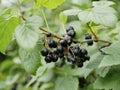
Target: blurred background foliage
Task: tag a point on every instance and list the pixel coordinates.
(49, 76)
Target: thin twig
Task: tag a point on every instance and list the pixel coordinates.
(42, 11)
(53, 34)
(92, 31)
(20, 10)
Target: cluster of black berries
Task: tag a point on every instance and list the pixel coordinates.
(65, 48)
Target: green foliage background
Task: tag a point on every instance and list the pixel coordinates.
(23, 68)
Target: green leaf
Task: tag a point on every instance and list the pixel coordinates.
(103, 3)
(102, 71)
(114, 55)
(63, 18)
(27, 36)
(35, 20)
(66, 83)
(30, 60)
(95, 61)
(104, 15)
(51, 4)
(72, 12)
(7, 26)
(110, 81)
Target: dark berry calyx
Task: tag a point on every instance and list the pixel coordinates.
(69, 28)
(44, 52)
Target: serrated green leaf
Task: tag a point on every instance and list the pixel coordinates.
(104, 15)
(51, 4)
(114, 55)
(66, 83)
(63, 18)
(95, 61)
(110, 81)
(103, 3)
(102, 71)
(27, 36)
(71, 12)
(35, 20)
(30, 60)
(7, 27)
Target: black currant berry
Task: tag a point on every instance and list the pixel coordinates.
(76, 51)
(80, 64)
(71, 59)
(48, 59)
(52, 43)
(44, 52)
(55, 58)
(63, 43)
(87, 58)
(69, 40)
(90, 43)
(61, 55)
(71, 33)
(83, 52)
(69, 28)
(48, 34)
(60, 49)
(88, 36)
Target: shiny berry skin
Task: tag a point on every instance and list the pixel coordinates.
(88, 36)
(63, 43)
(76, 52)
(90, 43)
(83, 52)
(69, 28)
(48, 34)
(55, 58)
(71, 59)
(52, 43)
(44, 52)
(69, 40)
(80, 64)
(48, 59)
(71, 33)
(60, 49)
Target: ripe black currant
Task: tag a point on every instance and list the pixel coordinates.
(76, 51)
(60, 49)
(69, 28)
(71, 59)
(69, 40)
(44, 52)
(83, 52)
(63, 43)
(48, 34)
(71, 33)
(88, 36)
(55, 58)
(80, 64)
(52, 43)
(87, 58)
(48, 59)
(90, 43)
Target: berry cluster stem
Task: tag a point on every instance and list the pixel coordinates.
(53, 34)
